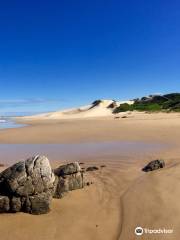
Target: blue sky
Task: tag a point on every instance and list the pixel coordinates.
(58, 54)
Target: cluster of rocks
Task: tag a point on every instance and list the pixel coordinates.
(30, 185)
(154, 165)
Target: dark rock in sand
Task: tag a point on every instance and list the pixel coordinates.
(67, 169)
(89, 183)
(93, 168)
(28, 185)
(103, 166)
(68, 177)
(154, 165)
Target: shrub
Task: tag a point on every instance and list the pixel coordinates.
(123, 108)
(168, 102)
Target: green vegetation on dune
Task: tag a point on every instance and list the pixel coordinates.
(156, 103)
(138, 107)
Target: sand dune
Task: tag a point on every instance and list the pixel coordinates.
(99, 108)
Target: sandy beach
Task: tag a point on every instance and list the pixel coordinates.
(161, 127)
(90, 120)
(122, 196)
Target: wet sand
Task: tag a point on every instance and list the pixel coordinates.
(122, 196)
(69, 152)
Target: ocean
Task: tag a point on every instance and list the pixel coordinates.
(8, 122)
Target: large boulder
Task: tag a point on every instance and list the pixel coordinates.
(28, 177)
(27, 185)
(154, 165)
(68, 177)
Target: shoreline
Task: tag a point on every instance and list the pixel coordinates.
(137, 127)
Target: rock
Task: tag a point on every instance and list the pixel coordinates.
(26, 183)
(29, 185)
(67, 169)
(93, 168)
(154, 165)
(4, 204)
(103, 166)
(68, 177)
(28, 177)
(89, 183)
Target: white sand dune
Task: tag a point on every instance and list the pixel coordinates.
(99, 108)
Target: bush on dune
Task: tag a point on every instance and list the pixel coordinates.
(168, 102)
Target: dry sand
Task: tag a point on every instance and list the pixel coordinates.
(122, 196)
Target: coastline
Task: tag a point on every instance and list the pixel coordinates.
(162, 127)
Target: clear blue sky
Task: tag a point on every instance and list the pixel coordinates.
(56, 54)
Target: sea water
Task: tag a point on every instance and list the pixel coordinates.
(7, 122)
